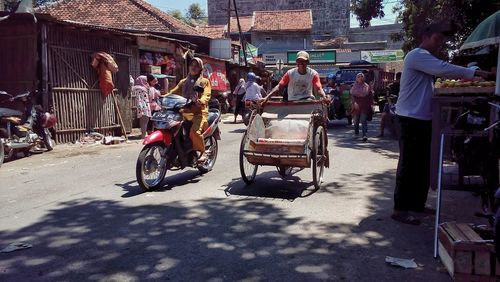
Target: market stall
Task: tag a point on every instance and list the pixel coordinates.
(465, 135)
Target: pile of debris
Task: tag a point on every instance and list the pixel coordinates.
(98, 138)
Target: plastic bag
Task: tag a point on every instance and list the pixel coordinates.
(287, 129)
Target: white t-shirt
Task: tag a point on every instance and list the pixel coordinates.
(300, 86)
(252, 91)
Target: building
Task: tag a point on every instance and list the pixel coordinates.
(278, 31)
(331, 18)
(131, 15)
(379, 33)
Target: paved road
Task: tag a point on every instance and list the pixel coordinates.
(81, 209)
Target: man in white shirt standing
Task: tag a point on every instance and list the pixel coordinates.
(301, 81)
(414, 115)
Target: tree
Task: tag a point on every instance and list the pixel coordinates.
(177, 14)
(195, 15)
(463, 15)
(195, 12)
(366, 10)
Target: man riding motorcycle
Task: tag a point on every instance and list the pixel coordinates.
(198, 113)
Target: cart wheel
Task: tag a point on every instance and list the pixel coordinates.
(318, 156)
(248, 170)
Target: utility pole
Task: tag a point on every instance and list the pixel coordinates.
(242, 40)
(228, 19)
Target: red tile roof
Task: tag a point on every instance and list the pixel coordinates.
(120, 14)
(287, 20)
(245, 23)
(212, 31)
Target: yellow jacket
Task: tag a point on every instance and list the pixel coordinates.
(205, 96)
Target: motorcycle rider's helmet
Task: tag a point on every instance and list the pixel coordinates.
(48, 120)
(251, 76)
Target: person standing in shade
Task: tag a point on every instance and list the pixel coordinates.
(362, 100)
(413, 110)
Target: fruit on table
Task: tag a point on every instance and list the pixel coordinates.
(447, 83)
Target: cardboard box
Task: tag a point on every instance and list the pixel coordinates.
(466, 255)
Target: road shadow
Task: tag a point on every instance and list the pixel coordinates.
(238, 131)
(172, 180)
(214, 240)
(270, 184)
(342, 135)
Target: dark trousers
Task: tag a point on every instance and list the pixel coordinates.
(238, 105)
(413, 175)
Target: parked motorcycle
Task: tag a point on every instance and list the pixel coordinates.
(337, 109)
(479, 155)
(170, 148)
(23, 135)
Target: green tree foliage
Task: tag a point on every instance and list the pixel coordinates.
(463, 15)
(195, 15)
(366, 10)
(195, 12)
(177, 14)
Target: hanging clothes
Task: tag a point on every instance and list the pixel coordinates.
(105, 66)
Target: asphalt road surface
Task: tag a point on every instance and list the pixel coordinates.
(87, 220)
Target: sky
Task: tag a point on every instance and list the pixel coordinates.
(182, 5)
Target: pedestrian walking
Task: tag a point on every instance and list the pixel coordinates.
(362, 99)
(413, 110)
(141, 90)
(154, 96)
(238, 93)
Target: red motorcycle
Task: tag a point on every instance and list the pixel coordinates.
(170, 148)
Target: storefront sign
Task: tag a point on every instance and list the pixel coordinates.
(315, 57)
(382, 56)
(272, 58)
(215, 71)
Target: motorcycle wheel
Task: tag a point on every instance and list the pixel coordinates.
(211, 147)
(48, 141)
(2, 152)
(151, 166)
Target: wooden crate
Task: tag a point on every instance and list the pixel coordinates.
(466, 256)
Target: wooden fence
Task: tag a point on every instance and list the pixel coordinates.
(76, 98)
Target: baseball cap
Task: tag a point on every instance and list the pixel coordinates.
(303, 55)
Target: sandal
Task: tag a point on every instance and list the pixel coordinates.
(406, 219)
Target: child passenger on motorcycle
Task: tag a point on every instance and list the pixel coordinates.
(253, 90)
(198, 113)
